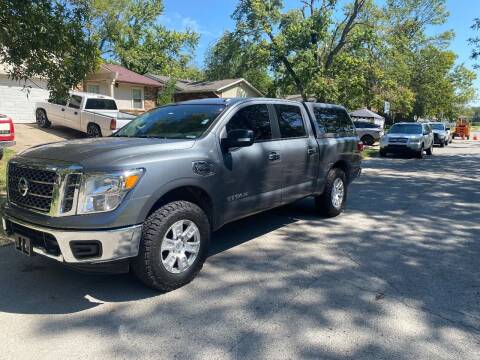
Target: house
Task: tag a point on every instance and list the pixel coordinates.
(369, 116)
(18, 98)
(133, 92)
(228, 88)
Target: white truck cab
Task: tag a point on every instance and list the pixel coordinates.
(94, 114)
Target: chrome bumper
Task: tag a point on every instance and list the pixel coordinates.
(116, 244)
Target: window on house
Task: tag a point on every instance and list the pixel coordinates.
(93, 88)
(137, 98)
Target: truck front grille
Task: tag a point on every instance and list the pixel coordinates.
(39, 185)
(398, 140)
(73, 182)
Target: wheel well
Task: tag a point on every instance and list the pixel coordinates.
(191, 194)
(342, 165)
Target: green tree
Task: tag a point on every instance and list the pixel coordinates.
(45, 38)
(233, 56)
(129, 32)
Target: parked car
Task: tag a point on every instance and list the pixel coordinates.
(368, 133)
(440, 134)
(151, 195)
(96, 115)
(416, 138)
(7, 133)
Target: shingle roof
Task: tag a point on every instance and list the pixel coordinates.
(203, 86)
(131, 77)
(365, 113)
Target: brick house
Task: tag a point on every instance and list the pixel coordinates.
(133, 92)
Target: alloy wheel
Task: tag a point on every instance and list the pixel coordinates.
(338, 193)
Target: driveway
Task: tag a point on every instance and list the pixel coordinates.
(397, 276)
(27, 135)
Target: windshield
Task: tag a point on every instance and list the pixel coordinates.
(438, 127)
(173, 122)
(406, 129)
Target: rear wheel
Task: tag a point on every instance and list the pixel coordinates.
(174, 246)
(93, 131)
(368, 140)
(41, 118)
(1, 153)
(332, 201)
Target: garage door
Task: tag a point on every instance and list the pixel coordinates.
(17, 102)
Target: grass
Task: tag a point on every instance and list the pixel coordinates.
(8, 153)
(369, 152)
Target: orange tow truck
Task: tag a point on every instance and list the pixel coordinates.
(462, 129)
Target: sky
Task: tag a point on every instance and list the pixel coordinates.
(210, 18)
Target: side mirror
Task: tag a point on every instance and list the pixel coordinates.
(240, 138)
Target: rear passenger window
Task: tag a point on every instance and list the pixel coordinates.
(290, 121)
(75, 102)
(253, 117)
(333, 122)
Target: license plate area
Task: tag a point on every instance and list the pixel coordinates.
(23, 244)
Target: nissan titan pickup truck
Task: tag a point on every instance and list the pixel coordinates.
(149, 197)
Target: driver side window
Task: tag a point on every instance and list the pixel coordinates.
(253, 117)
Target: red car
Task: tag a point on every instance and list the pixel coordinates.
(7, 133)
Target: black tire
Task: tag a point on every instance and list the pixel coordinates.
(324, 202)
(1, 153)
(42, 119)
(94, 131)
(368, 140)
(421, 153)
(382, 153)
(429, 151)
(148, 265)
(442, 144)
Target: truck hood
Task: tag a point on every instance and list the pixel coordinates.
(103, 152)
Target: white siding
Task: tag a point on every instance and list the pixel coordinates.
(19, 104)
(239, 90)
(123, 96)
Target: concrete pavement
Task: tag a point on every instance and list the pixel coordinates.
(397, 276)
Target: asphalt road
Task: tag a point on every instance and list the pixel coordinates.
(397, 276)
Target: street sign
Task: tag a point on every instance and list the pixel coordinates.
(386, 108)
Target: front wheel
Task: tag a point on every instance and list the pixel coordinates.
(332, 201)
(430, 150)
(174, 246)
(421, 153)
(42, 119)
(383, 153)
(368, 140)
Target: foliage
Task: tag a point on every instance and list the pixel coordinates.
(357, 53)
(475, 42)
(46, 38)
(129, 32)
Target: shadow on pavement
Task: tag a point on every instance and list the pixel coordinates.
(400, 267)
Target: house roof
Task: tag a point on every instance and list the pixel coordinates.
(187, 86)
(127, 76)
(365, 113)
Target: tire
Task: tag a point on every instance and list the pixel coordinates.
(1, 153)
(382, 153)
(325, 203)
(42, 119)
(151, 264)
(420, 154)
(93, 131)
(442, 144)
(368, 140)
(429, 151)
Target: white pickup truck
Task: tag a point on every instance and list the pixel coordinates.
(94, 114)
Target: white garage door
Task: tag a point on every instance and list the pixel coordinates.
(19, 104)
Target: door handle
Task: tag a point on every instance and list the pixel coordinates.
(273, 156)
(311, 151)
(63, 109)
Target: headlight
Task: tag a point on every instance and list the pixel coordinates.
(415, 140)
(101, 192)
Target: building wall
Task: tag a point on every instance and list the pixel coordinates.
(17, 101)
(239, 90)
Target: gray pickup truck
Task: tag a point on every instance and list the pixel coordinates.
(149, 197)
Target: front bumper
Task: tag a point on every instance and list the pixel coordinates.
(4, 144)
(401, 148)
(62, 245)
